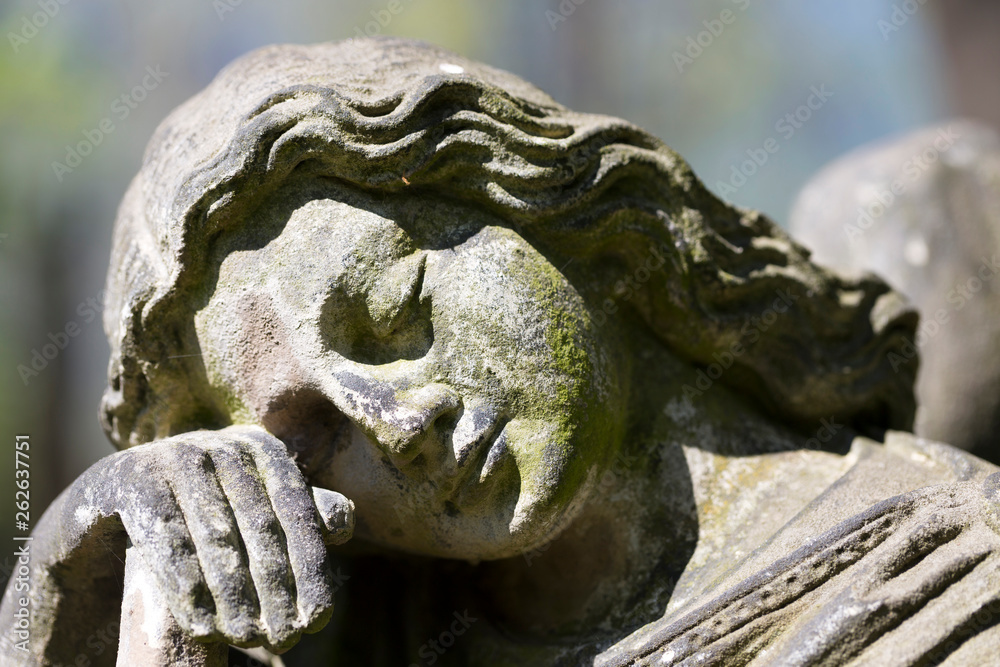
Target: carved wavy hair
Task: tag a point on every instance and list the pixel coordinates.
(386, 115)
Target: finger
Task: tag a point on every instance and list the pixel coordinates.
(293, 504)
(155, 524)
(337, 514)
(217, 538)
(263, 538)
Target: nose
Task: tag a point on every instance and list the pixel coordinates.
(420, 423)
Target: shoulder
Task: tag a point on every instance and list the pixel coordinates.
(896, 562)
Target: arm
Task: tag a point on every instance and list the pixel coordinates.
(232, 534)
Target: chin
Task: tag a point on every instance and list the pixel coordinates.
(450, 532)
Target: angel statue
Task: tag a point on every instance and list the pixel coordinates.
(412, 365)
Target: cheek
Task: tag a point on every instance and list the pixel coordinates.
(552, 463)
(249, 357)
(533, 354)
(571, 439)
(357, 469)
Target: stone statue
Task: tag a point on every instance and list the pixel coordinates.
(574, 409)
(923, 210)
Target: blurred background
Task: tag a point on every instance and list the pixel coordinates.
(713, 78)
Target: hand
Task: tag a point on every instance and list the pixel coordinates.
(234, 537)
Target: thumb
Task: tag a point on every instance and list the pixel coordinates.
(337, 513)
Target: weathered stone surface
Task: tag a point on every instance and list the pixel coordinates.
(149, 635)
(924, 212)
(583, 411)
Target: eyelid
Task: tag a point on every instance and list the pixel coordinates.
(390, 297)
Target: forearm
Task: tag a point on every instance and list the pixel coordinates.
(182, 501)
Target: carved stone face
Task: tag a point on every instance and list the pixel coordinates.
(420, 358)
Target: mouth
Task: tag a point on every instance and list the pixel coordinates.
(480, 466)
(483, 442)
(476, 463)
(314, 430)
(495, 454)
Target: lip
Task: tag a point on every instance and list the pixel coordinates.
(480, 463)
(495, 453)
(484, 441)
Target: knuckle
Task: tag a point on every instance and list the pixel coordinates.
(189, 593)
(195, 623)
(299, 507)
(243, 631)
(256, 438)
(227, 559)
(281, 639)
(275, 574)
(190, 455)
(316, 613)
(261, 522)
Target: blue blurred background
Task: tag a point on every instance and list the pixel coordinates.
(713, 78)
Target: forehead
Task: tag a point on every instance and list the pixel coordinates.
(323, 218)
(341, 234)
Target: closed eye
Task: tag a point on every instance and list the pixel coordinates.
(390, 321)
(395, 294)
